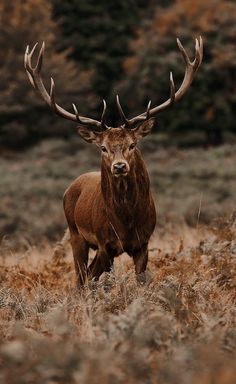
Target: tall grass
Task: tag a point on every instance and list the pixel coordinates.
(178, 328)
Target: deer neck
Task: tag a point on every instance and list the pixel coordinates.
(126, 196)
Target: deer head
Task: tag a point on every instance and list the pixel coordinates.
(117, 145)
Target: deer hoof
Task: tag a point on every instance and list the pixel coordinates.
(141, 278)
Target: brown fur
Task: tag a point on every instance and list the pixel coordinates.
(108, 213)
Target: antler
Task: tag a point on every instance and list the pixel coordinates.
(190, 70)
(35, 78)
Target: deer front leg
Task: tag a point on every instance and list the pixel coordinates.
(102, 262)
(80, 250)
(140, 258)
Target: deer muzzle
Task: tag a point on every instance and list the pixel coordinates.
(120, 168)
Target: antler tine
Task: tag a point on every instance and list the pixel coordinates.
(183, 52)
(28, 56)
(37, 82)
(76, 112)
(198, 53)
(38, 66)
(191, 68)
(172, 89)
(148, 109)
(52, 95)
(27, 63)
(121, 112)
(104, 126)
(201, 46)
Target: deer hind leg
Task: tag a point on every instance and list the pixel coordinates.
(80, 250)
(140, 258)
(102, 262)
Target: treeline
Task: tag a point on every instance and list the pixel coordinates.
(96, 49)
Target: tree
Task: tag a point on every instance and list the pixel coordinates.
(211, 98)
(99, 32)
(21, 23)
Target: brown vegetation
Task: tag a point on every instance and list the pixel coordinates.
(178, 328)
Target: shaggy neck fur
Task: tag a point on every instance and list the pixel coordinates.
(126, 196)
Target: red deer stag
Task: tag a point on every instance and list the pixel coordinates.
(112, 211)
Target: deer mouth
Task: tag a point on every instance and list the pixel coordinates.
(120, 174)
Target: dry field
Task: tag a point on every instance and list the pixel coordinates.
(180, 327)
(183, 182)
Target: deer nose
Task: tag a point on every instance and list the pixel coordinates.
(120, 167)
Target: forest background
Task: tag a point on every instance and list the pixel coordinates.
(95, 49)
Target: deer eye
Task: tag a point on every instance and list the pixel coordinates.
(103, 149)
(132, 146)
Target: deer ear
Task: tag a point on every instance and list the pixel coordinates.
(87, 134)
(144, 128)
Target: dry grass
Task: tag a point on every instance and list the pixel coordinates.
(178, 328)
